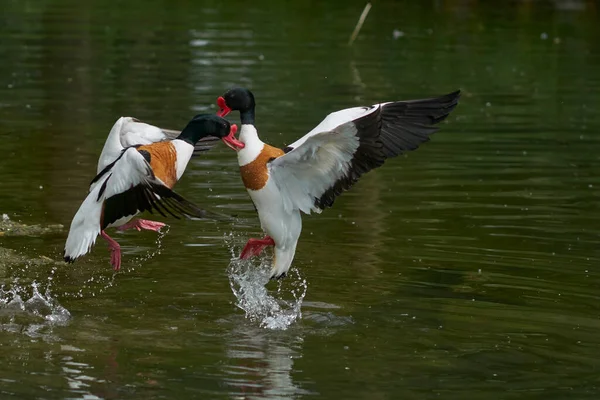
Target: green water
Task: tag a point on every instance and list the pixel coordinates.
(468, 269)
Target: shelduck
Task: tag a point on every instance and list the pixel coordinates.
(140, 178)
(310, 173)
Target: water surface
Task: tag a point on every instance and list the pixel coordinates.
(467, 269)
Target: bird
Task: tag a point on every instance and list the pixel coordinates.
(141, 178)
(130, 131)
(310, 173)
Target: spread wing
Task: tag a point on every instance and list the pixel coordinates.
(128, 186)
(404, 124)
(311, 175)
(348, 143)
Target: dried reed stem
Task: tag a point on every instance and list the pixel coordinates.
(359, 24)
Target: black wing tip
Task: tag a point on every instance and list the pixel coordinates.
(451, 99)
(69, 259)
(177, 203)
(434, 109)
(201, 149)
(445, 103)
(194, 211)
(453, 95)
(205, 144)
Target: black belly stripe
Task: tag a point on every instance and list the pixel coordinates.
(103, 188)
(146, 155)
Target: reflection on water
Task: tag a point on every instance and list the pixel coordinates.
(79, 376)
(261, 366)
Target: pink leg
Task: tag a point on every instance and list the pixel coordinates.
(140, 224)
(115, 251)
(255, 246)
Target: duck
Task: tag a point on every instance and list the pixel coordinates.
(309, 174)
(130, 131)
(141, 178)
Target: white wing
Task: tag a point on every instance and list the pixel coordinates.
(124, 133)
(326, 162)
(334, 120)
(129, 170)
(135, 132)
(128, 131)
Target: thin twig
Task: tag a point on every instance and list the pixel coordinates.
(359, 24)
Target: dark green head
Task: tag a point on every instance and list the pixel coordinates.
(238, 99)
(203, 125)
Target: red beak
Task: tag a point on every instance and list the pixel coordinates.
(231, 141)
(223, 109)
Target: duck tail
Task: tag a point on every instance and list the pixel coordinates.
(85, 227)
(282, 260)
(285, 247)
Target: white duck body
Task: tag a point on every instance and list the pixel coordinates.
(284, 226)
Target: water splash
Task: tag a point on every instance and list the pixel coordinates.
(248, 280)
(33, 316)
(154, 252)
